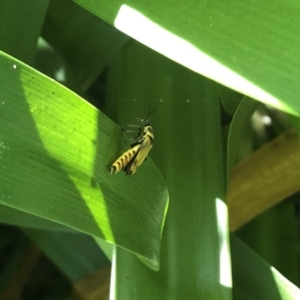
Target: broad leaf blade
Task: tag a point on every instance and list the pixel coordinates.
(55, 153)
(87, 43)
(250, 46)
(187, 148)
(21, 23)
(76, 255)
(253, 278)
(238, 126)
(16, 217)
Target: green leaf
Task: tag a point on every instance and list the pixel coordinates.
(15, 217)
(187, 148)
(77, 255)
(87, 43)
(237, 128)
(296, 124)
(249, 46)
(55, 151)
(230, 99)
(253, 278)
(266, 238)
(21, 23)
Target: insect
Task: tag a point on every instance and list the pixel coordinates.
(130, 160)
